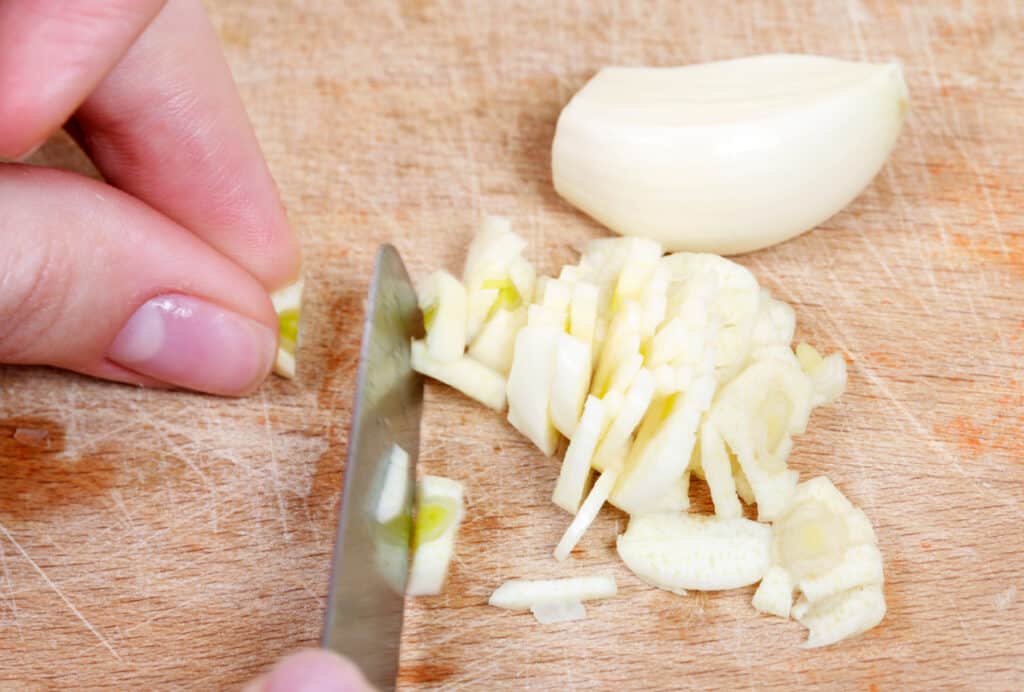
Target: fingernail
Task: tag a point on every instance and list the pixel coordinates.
(197, 345)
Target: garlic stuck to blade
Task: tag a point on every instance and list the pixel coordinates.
(442, 300)
(439, 511)
(728, 156)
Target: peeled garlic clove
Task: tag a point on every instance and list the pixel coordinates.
(729, 156)
(288, 306)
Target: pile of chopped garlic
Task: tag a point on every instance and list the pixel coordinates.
(658, 368)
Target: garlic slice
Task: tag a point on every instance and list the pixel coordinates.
(588, 512)
(675, 551)
(728, 156)
(439, 511)
(442, 300)
(572, 479)
(473, 379)
(288, 306)
(825, 548)
(551, 613)
(523, 594)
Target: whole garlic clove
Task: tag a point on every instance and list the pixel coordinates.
(726, 157)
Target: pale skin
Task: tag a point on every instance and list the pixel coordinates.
(161, 275)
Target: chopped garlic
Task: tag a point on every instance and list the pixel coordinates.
(492, 255)
(587, 513)
(529, 386)
(583, 311)
(570, 382)
(668, 437)
(465, 374)
(613, 448)
(827, 549)
(774, 594)
(439, 511)
(393, 486)
(553, 612)
(685, 551)
(828, 375)
(714, 460)
(524, 594)
(572, 480)
(288, 306)
(843, 616)
(494, 345)
(442, 300)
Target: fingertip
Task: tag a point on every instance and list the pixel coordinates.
(312, 670)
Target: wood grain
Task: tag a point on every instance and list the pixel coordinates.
(167, 540)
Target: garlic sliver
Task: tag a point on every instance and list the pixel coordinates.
(729, 156)
(470, 377)
(588, 512)
(523, 594)
(572, 480)
(774, 594)
(570, 382)
(529, 385)
(714, 459)
(494, 343)
(554, 612)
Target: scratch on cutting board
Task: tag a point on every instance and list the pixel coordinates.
(10, 589)
(56, 590)
(274, 472)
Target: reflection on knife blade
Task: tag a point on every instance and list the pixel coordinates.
(371, 556)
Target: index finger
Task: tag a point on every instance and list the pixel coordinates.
(167, 125)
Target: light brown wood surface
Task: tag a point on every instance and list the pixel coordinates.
(155, 540)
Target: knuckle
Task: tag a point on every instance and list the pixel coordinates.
(34, 286)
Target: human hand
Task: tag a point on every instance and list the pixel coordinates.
(312, 670)
(160, 277)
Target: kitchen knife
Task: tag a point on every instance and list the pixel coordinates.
(371, 552)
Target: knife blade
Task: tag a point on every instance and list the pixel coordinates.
(365, 604)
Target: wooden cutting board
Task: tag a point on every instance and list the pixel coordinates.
(156, 540)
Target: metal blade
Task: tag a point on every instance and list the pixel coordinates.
(371, 559)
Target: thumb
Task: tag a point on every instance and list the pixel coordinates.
(312, 670)
(94, 281)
